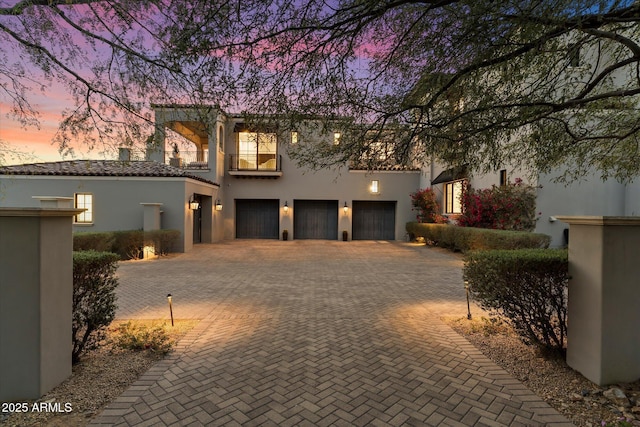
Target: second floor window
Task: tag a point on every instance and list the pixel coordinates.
(257, 151)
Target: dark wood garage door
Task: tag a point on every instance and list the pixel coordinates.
(257, 219)
(315, 219)
(374, 220)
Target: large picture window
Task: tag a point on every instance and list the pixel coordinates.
(257, 151)
(84, 201)
(453, 193)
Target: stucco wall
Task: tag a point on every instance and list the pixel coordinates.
(117, 200)
(589, 197)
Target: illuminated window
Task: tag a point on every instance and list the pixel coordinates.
(257, 151)
(336, 138)
(294, 137)
(453, 193)
(84, 201)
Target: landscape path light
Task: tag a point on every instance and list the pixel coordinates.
(466, 288)
(170, 299)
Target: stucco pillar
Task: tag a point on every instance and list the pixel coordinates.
(151, 222)
(604, 298)
(54, 201)
(36, 291)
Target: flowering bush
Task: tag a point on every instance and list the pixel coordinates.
(507, 207)
(424, 201)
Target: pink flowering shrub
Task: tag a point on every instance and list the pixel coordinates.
(424, 201)
(507, 207)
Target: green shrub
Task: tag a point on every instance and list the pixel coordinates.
(165, 241)
(131, 336)
(96, 241)
(528, 287)
(94, 298)
(465, 239)
(128, 244)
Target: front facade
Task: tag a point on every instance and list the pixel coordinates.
(213, 178)
(264, 194)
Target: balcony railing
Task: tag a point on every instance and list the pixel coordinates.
(188, 159)
(255, 163)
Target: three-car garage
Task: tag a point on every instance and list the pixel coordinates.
(316, 219)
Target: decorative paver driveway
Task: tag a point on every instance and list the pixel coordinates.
(315, 333)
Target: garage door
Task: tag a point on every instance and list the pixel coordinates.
(374, 220)
(257, 219)
(315, 219)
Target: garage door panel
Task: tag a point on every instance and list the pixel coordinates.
(374, 220)
(257, 219)
(315, 219)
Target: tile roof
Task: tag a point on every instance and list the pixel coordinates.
(101, 168)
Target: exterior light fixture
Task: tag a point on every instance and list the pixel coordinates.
(345, 208)
(218, 205)
(375, 186)
(466, 288)
(170, 299)
(194, 205)
(336, 138)
(286, 207)
(294, 137)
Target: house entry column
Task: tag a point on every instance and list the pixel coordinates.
(604, 293)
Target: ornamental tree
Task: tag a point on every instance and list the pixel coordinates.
(476, 82)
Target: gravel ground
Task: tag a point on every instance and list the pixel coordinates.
(549, 377)
(101, 376)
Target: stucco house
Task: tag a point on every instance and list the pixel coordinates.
(214, 177)
(588, 196)
(115, 193)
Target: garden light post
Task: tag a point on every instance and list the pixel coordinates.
(169, 297)
(466, 288)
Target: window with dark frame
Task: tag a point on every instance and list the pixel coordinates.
(453, 194)
(574, 55)
(503, 177)
(84, 201)
(257, 151)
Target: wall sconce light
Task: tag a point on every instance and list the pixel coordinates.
(194, 205)
(286, 207)
(345, 208)
(218, 205)
(375, 186)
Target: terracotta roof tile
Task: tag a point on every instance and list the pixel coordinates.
(101, 168)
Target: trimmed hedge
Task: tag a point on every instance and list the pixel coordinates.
(528, 287)
(127, 244)
(463, 239)
(94, 298)
(86, 241)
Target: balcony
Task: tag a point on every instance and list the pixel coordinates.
(188, 159)
(261, 165)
